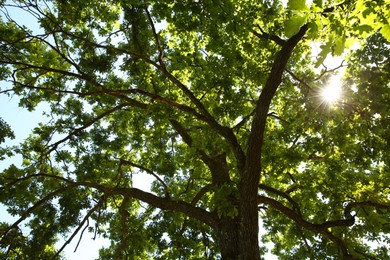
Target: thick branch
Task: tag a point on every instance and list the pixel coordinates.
(216, 164)
(264, 101)
(317, 228)
(161, 203)
(153, 200)
(263, 35)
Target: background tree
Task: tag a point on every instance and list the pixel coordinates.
(219, 102)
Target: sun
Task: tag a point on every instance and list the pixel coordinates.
(331, 93)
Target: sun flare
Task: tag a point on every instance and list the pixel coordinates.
(332, 91)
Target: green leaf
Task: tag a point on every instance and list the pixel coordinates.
(325, 50)
(294, 24)
(367, 12)
(339, 46)
(5, 131)
(364, 28)
(297, 5)
(385, 31)
(314, 28)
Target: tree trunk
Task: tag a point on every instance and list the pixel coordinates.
(227, 235)
(248, 216)
(238, 237)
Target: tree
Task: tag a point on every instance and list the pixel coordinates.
(219, 102)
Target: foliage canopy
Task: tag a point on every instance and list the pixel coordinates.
(219, 102)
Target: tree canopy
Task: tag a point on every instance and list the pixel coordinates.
(220, 103)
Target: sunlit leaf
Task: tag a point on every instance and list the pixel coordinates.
(385, 31)
(298, 5)
(294, 24)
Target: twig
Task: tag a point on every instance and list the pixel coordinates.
(298, 79)
(267, 36)
(328, 71)
(35, 206)
(88, 124)
(126, 162)
(160, 50)
(86, 218)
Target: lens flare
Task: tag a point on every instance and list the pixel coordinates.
(332, 91)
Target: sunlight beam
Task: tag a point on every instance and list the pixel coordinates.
(332, 91)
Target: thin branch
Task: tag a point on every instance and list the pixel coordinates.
(216, 164)
(188, 140)
(201, 193)
(308, 248)
(274, 115)
(126, 162)
(171, 103)
(330, 9)
(114, 49)
(351, 205)
(282, 194)
(298, 79)
(35, 206)
(317, 228)
(244, 120)
(62, 72)
(156, 38)
(329, 71)
(120, 93)
(14, 181)
(263, 35)
(90, 212)
(85, 126)
(81, 236)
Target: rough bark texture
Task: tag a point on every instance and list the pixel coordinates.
(249, 227)
(228, 238)
(250, 176)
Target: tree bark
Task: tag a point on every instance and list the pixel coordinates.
(248, 215)
(227, 238)
(250, 176)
